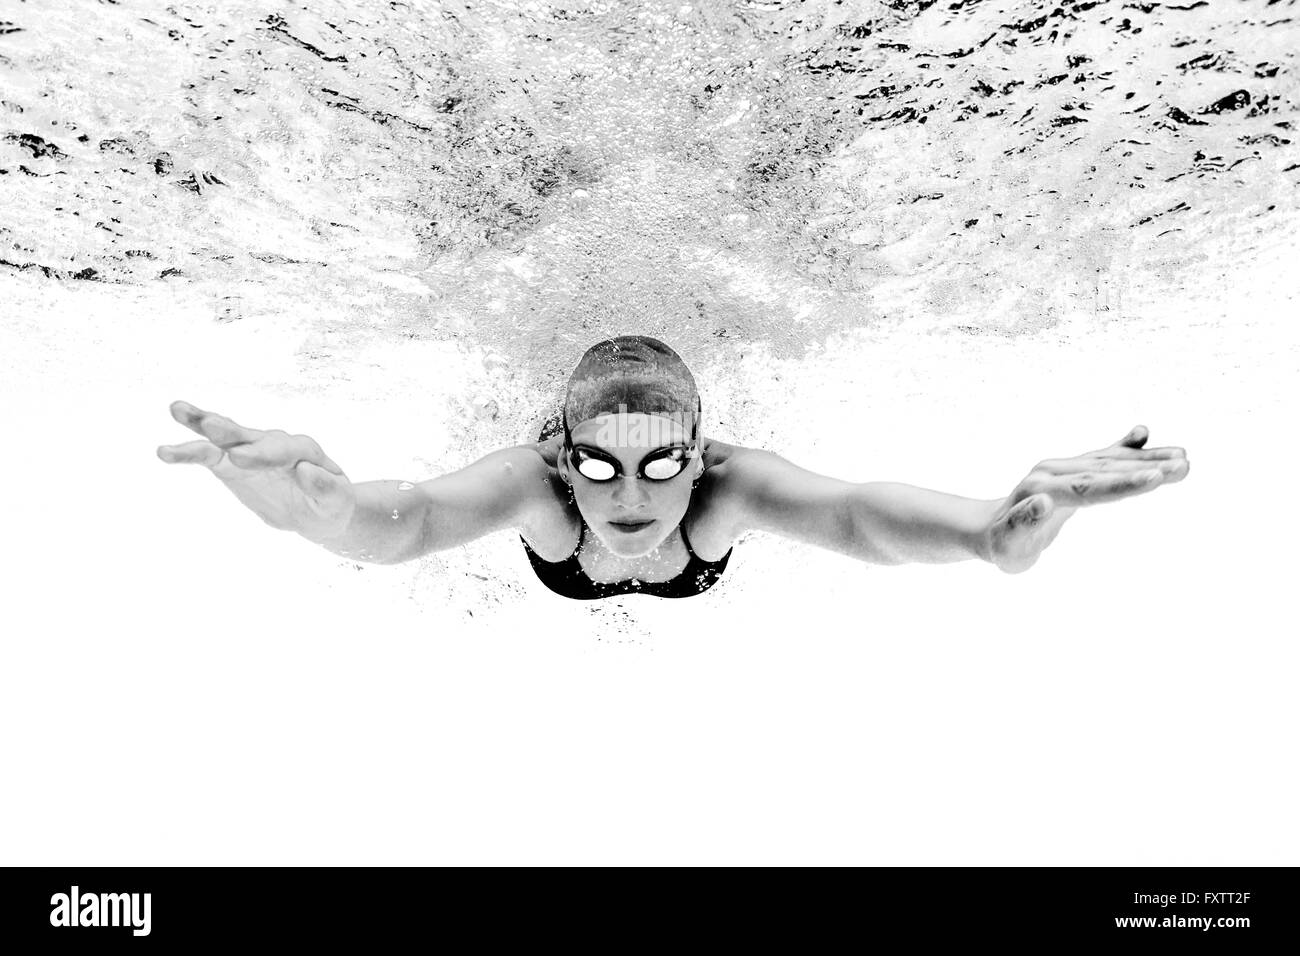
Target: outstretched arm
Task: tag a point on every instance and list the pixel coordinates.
(292, 485)
(881, 522)
(396, 521)
(894, 523)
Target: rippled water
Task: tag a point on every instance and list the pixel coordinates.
(530, 175)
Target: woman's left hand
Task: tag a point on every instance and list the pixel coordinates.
(1032, 515)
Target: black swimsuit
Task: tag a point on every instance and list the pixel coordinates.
(568, 578)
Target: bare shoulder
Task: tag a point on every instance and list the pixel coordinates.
(548, 450)
(544, 513)
(719, 452)
(528, 473)
(723, 506)
(734, 472)
(756, 489)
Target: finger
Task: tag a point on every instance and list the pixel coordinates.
(272, 450)
(307, 449)
(1138, 461)
(1173, 468)
(1092, 488)
(216, 428)
(191, 453)
(276, 449)
(1136, 438)
(1142, 454)
(318, 457)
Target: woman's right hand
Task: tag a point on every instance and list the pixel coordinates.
(286, 480)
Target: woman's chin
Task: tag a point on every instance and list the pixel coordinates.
(632, 543)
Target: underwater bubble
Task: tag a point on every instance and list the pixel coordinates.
(485, 409)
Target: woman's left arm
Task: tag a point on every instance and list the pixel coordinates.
(894, 523)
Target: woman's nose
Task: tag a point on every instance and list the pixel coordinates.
(628, 491)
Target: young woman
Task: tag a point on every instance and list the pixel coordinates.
(623, 494)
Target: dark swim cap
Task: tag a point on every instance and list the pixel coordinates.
(636, 372)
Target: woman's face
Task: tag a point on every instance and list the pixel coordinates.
(632, 516)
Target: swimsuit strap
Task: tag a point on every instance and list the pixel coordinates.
(582, 534)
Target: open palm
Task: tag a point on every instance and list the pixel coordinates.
(1032, 515)
(287, 480)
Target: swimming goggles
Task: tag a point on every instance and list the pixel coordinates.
(661, 464)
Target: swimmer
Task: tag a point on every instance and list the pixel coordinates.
(622, 493)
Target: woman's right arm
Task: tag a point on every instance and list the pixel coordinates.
(290, 483)
(511, 488)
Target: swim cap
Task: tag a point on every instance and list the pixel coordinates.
(632, 373)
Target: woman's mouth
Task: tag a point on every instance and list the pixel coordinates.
(629, 527)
